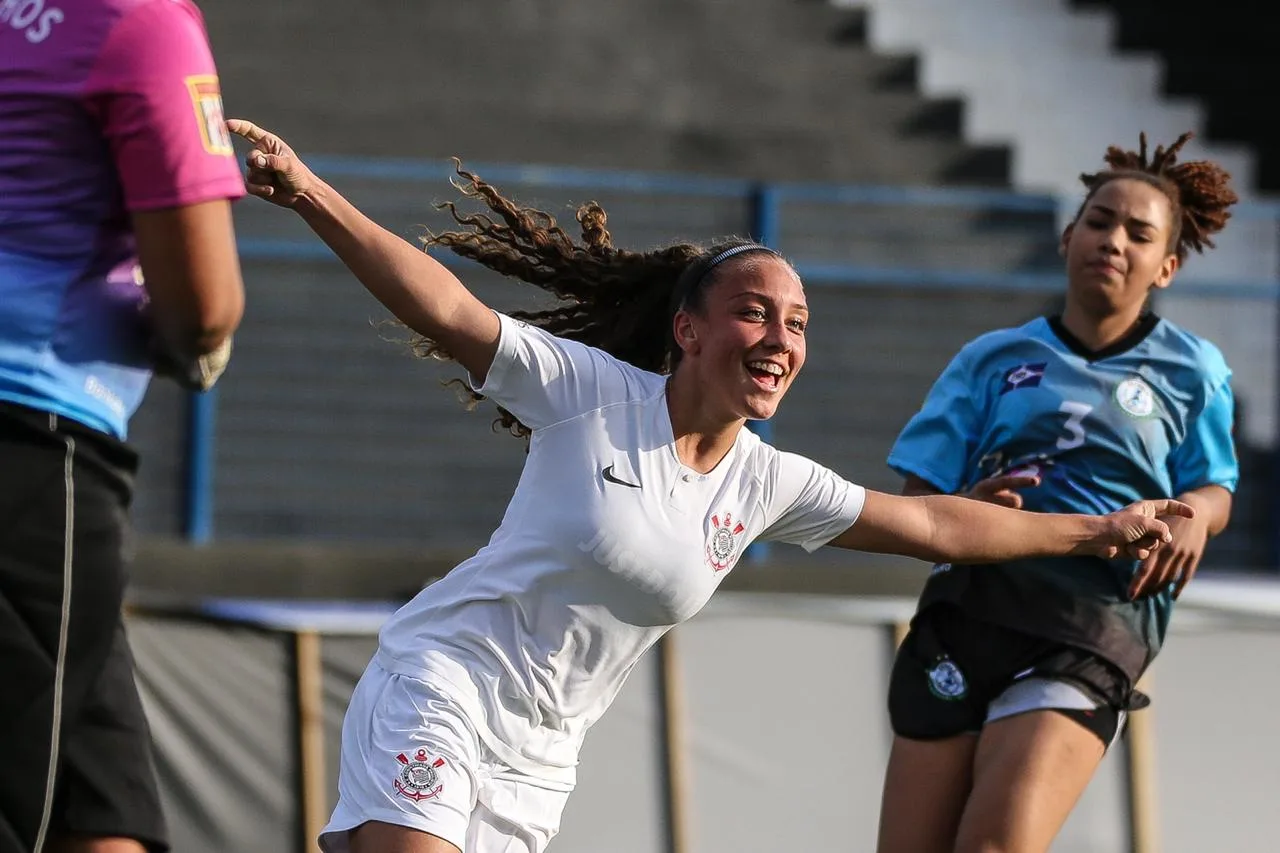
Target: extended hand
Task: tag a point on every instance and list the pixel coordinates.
(1140, 529)
(1177, 562)
(1002, 490)
(275, 172)
(195, 374)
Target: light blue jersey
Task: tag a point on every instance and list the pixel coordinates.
(1151, 421)
(1148, 418)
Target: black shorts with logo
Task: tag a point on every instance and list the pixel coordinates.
(951, 667)
(64, 500)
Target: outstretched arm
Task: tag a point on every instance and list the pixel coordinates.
(413, 286)
(946, 528)
(1176, 563)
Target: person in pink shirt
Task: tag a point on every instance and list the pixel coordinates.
(117, 261)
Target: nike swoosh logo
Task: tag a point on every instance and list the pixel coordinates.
(609, 476)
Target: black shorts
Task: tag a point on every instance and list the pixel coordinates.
(953, 672)
(63, 656)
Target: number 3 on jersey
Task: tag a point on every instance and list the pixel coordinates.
(1074, 426)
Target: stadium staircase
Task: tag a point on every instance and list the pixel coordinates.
(1054, 84)
(748, 88)
(1218, 55)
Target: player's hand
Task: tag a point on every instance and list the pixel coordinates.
(1003, 489)
(195, 374)
(275, 172)
(1138, 531)
(1175, 563)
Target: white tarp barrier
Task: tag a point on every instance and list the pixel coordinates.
(761, 726)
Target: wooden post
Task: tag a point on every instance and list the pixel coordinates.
(311, 766)
(1144, 812)
(676, 764)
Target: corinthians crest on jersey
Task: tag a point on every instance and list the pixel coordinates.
(419, 778)
(723, 541)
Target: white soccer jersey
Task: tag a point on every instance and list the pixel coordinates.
(607, 543)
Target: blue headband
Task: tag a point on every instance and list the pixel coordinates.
(736, 250)
(682, 296)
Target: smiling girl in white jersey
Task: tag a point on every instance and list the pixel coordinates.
(640, 492)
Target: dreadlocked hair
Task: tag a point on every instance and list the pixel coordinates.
(616, 300)
(1198, 191)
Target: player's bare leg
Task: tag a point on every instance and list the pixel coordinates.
(378, 837)
(1028, 774)
(925, 789)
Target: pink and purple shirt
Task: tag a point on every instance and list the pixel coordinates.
(107, 107)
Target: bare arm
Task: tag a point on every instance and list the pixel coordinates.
(413, 286)
(1178, 563)
(192, 276)
(1212, 504)
(945, 528)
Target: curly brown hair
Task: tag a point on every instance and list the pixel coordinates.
(617, 300)
(1198, 191)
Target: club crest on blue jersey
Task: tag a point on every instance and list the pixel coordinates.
(1023, 376)
(1136, 397)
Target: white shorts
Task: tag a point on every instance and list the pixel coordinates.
(411, 758)
(1051, 694)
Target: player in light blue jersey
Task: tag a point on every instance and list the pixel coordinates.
(1016, 677)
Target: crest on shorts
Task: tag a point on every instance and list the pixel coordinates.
(419, 778)
(1136, 397)
(946, 681)
(722, 543)
(206, 98)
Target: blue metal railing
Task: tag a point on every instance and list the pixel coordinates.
(201, 424)
(765, 203)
